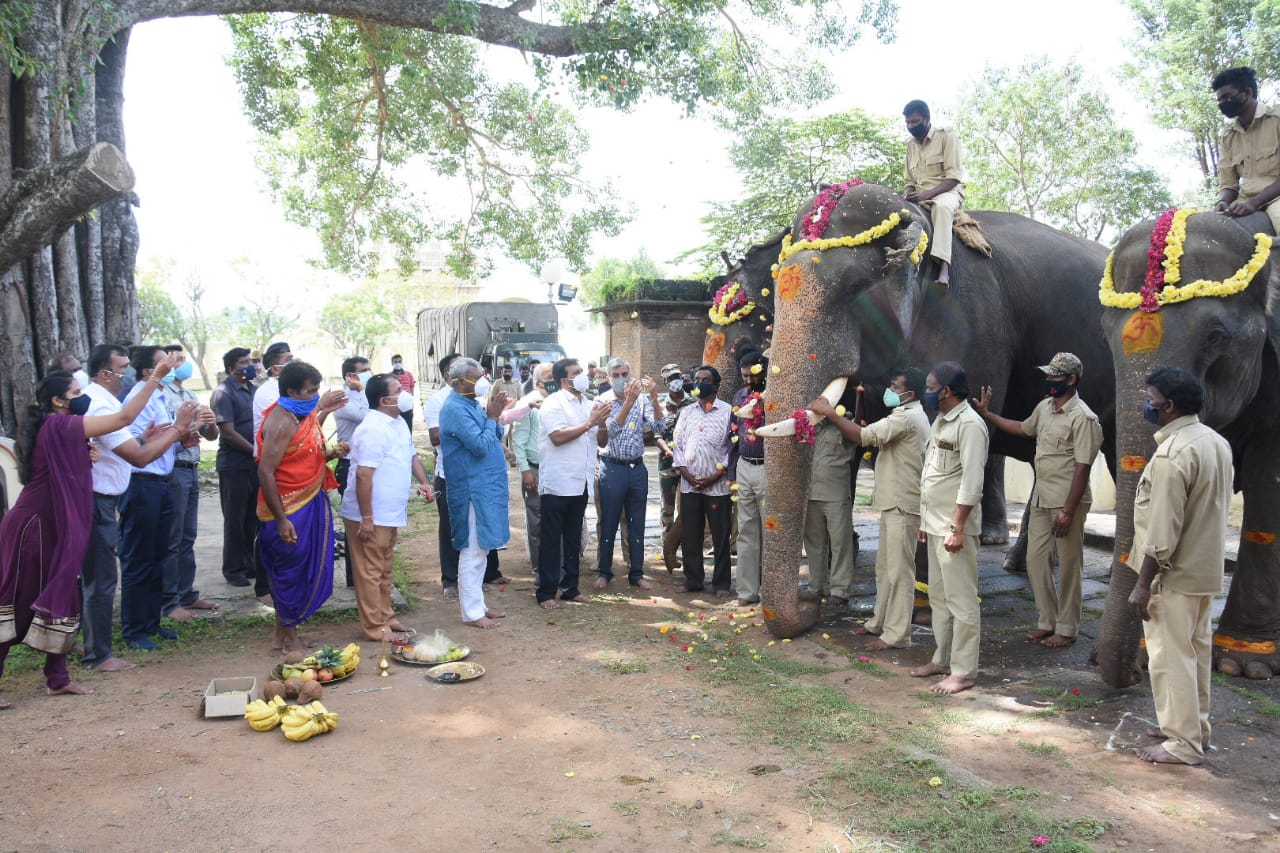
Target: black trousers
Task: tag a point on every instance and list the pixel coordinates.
(560, 529)
(238, 494)
(449, 554)
(696, 512)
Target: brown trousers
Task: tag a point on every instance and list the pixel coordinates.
(373, 561)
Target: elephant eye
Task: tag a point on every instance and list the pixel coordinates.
(1217, 338)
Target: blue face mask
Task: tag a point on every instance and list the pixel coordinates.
(250, 372)
(79, 404)
(704, 391)
(181, 373)
(931, 400)
(1151, 412)
(891, 398)
(300, 408)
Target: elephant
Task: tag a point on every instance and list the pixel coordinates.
(850, 313)
(725, 342)
(1232, 345)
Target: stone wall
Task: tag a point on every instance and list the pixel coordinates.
(650, 334)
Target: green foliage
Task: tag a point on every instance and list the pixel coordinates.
(1041, 140)
(1181, 45)
(14, 16)
(353, 114)
(783, 163)
(614, 279)
(357, 321)
(159, 318)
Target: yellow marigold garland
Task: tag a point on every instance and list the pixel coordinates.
(1169, 295)
(870, 235)
(717, 314)
(1173, 247)
(917, 254)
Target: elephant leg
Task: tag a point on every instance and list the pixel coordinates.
(1015, 559)
(1120, 632)
(922, 613)
(995, 521)
(1249, 630)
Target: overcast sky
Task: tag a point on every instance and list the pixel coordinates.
(205, 205)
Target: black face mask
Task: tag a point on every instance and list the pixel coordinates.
(1233, 107)
(920, 131)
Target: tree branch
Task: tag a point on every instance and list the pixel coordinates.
(44, 201)
(496, 25)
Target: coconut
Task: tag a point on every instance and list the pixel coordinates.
(312, 691)
(292, 686)
(273, 689)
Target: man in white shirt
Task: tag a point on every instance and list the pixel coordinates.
(275, 358)
(355, 377)
(375, 507)
(117, 452)
(567, 456)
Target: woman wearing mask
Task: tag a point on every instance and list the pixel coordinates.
(45, 534)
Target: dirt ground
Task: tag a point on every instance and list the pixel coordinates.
(595, 730)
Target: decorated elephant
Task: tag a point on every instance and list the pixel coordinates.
(1200, 293)
(741, 312)
(851, 303)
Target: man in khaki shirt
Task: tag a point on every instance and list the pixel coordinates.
(1068, 437)
(934, 179)
(901, 437)
(828, 520)
(1180, 523)
(950, 523)
(1249, 162)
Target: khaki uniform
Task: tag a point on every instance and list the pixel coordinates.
(1180, 519)
(901, 438)
(1065, 438)
(1250, 159)
(828, 523)
(953, 463)
(930, 161)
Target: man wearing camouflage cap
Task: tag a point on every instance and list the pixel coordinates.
(1068, 436)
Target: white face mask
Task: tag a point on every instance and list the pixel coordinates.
(581, 382)
(619, 386)
(364, 376)
(405, 401)
(676, 385)
(482, 387)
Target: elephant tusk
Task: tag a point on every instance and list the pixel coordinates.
(783, 427)
(745, 410)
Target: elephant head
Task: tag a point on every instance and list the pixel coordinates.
(837, 314)
(1229, 342)
(733, 328)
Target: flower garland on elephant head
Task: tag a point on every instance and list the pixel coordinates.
(1164, 269)
(730, 305)
(815, 223)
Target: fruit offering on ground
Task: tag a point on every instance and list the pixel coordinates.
(310, 692)
(265, 715)
(303, 722)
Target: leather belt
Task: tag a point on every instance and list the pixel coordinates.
(751, 460)
(181, 464)
(630, 463)
(153, 478)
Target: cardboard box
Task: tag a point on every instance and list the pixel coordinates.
(226, 697)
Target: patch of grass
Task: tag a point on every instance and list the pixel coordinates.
(627, 808)
(1016, 794)
(565, 830)
(400, 578)
(1041, 750)
(1064, 700)
(622, 666)
(1262, 704)
(1085, 827)
(797, 716)
(682, 812)
(1171, 811)
(757, 841)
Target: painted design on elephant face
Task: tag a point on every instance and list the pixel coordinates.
(1133, 464)
(771, 524)
(789, 283)
(1142, 333)
(713, 348)
(1258, 537)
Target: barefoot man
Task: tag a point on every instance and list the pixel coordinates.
(471, 438)
(901, 437)
(296, 533)
(950, 521)
(1179, 536)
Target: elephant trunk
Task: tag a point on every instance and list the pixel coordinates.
(1118, 640)
(798, 374)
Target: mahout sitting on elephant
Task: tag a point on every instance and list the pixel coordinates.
(851, 303)
(1200, 292)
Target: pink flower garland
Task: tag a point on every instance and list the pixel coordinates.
(815, 224)
(739, 299)
(805, 433)
(1154, 281)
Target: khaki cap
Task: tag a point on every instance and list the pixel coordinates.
(670, 370)
(1063, 364)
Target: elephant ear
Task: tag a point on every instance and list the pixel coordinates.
(906, 290)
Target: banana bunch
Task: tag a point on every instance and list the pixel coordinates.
(303, 722)
(350, 660)
(264, 716)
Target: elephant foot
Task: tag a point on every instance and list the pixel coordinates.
(994, 536)
(922, 616)
(1013, 566)
(789, 625)
(1254, 660)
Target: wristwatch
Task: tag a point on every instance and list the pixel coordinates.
(953, 528)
